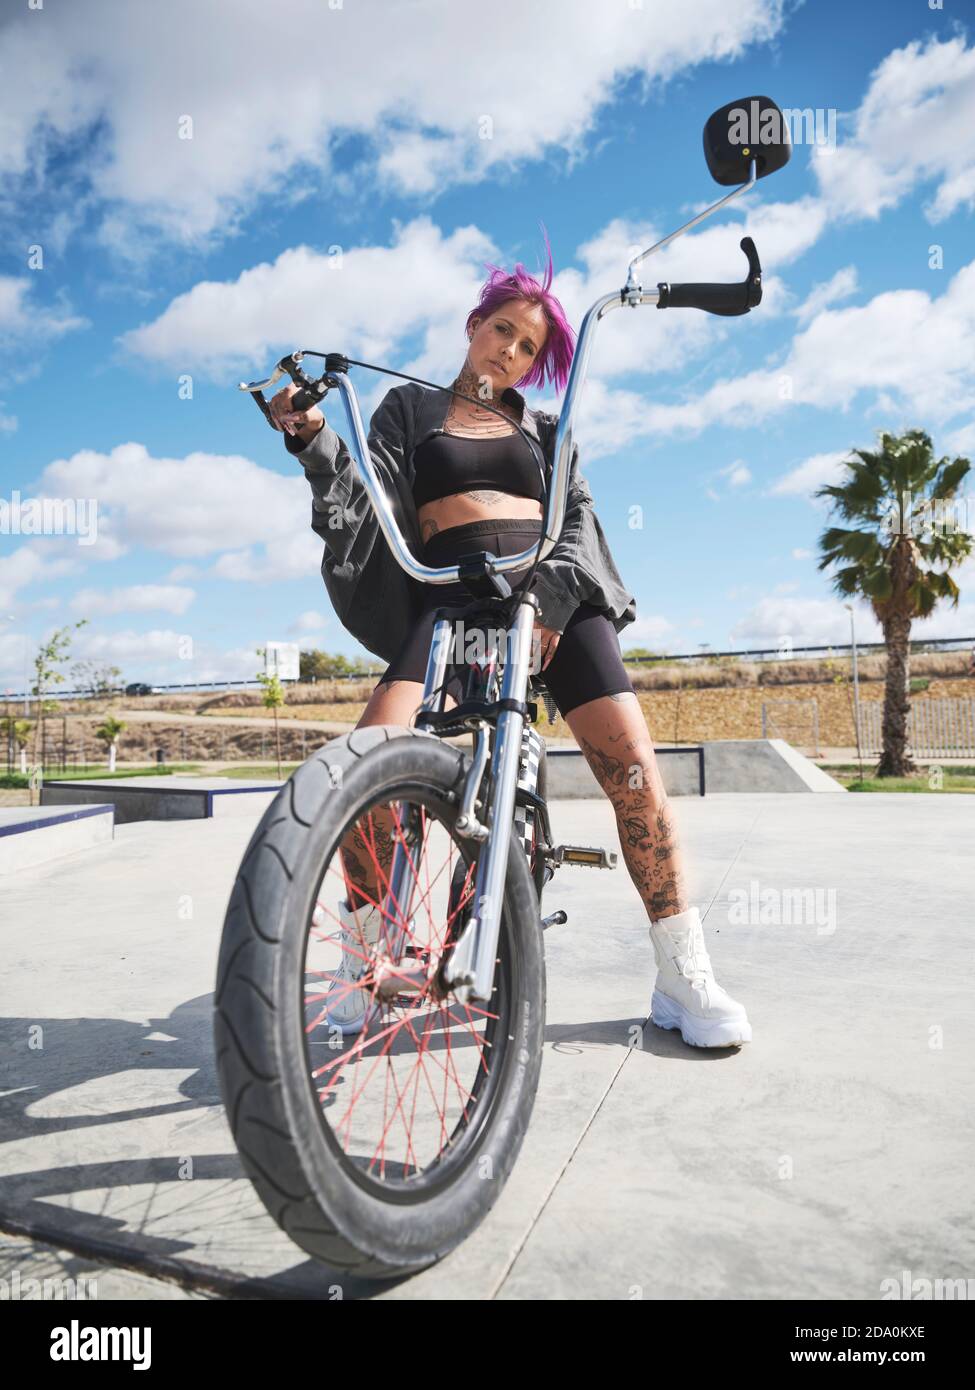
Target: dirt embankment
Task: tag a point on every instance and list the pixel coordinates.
(683, 702)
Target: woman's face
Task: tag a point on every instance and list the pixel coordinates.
(505, 344)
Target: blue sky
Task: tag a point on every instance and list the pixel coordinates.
(361, 126)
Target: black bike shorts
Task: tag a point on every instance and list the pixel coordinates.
(587, 663)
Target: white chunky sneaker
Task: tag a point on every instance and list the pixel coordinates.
(346, 1007)
(686, 994)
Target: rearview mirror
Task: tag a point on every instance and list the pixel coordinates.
(752, 128)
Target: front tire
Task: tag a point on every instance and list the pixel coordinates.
(332, 1204)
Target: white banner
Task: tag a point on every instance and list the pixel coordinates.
(281, 659)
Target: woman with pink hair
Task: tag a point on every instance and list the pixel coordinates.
(475, 487)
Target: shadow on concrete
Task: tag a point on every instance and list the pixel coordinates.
(633, 1034)
(75, 1052)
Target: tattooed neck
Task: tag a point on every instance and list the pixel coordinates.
(494, 411)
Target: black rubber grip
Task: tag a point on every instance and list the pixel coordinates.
(713, 299)
(728, 300)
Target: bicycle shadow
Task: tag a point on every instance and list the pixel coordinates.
(47, 1060)
(67, 1054)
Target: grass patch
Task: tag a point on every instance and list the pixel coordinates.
(958, 771)
(951, 782)
(78, 774)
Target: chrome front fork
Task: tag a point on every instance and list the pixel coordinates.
(469, 970)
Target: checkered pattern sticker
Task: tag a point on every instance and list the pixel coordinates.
(531, 751)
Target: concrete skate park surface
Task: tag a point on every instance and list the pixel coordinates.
(831, 1153)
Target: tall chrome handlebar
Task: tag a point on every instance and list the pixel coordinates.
(630, 296)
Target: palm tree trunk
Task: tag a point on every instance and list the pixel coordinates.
(894, 761)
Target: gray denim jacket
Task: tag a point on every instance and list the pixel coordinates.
(376, 600)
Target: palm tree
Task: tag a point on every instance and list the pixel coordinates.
(897, 554)
(108, 733)
(18, 731)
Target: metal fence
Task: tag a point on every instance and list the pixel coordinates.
(796, 721)
(939, 728)
(76, 754)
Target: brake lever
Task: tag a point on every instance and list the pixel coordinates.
(309, 392)
(753, 280)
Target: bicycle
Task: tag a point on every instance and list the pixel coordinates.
(452, 979)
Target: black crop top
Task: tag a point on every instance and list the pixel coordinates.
(449, 463)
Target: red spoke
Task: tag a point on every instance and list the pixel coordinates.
(431, 1052)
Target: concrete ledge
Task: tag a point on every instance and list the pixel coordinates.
(730, 765)
(165, 798)
(32, 835)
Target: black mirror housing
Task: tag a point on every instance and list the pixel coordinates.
(752, 128)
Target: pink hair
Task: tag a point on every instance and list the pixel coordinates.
(555, 358)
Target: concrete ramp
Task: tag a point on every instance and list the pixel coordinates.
(724, 765)
(763, 765)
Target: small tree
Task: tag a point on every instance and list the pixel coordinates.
(834, 672)
(108, 733)
(273, 700)
(97, 681)
(46, 673)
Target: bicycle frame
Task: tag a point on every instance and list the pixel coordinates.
(469, 971)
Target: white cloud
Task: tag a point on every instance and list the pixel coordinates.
(149, 650)
(32, 563)
(737, 473)
(194, 507)
(961, 441)
(117, 82)
(294, 556)
(839, 286)
(135, 598)
(806, 622)
(866, 354)
(310, 622)
(803, 622)
(650, 631)
(812, 473)
(22, 318)
(428, 284)
(915, 126)
(800, 554)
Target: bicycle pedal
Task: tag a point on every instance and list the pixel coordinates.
(555, 919)
(586, 856)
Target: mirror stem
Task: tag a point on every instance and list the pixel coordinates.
(634, 287)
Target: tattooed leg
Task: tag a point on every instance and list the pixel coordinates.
(613, 735)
